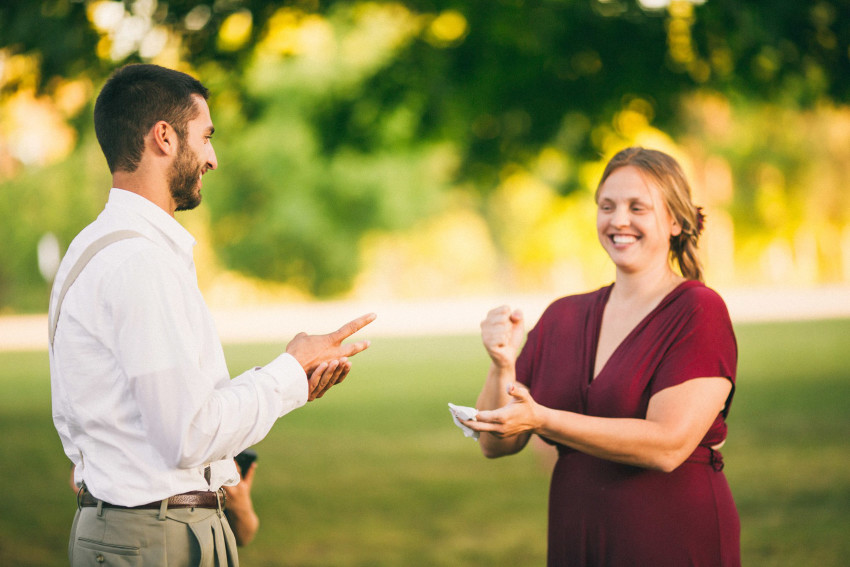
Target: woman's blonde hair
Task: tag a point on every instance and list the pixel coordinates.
(676, 192)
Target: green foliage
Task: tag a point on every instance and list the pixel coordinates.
(318, 150)
(527, 75)
(376, 474)
(283, 209)
(507, 83)
(59, 199)
(57, 31)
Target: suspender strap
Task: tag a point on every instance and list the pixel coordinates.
(84, 258)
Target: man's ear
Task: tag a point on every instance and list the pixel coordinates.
(164, 137)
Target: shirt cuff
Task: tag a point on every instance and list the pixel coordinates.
(291, 379)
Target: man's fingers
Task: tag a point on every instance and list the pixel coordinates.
(327, 387)
(352, 327)
(344, 372)
(316, 376)
(340, 372)
(333, 373)
(315, 380)
(330, 378)
(353, 348)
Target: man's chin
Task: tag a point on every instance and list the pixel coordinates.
(189, 204)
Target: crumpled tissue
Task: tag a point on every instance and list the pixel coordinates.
(465, 413)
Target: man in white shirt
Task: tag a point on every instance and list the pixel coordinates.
(142, 398)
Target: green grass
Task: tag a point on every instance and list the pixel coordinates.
(789, 448)
(376, 474)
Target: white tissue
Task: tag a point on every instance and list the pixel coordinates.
(465, 413)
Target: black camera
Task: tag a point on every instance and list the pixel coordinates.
(244, 460)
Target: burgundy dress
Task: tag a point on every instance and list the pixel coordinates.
(605, 513)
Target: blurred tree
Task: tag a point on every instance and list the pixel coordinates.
(498, 77)
(522, 75)
(332, 102)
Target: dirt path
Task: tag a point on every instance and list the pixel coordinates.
(440, 316)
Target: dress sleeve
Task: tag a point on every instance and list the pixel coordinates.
(529, 354)
(704, 346)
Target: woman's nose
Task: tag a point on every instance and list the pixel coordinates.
(620, 217)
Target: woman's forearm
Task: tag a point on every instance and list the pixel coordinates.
(636, 442)
(676, 420)
(494, 395)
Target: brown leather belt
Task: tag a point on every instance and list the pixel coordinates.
(194, 499)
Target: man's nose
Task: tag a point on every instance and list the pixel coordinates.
(212, 160)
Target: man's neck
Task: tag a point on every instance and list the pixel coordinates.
(152, 190)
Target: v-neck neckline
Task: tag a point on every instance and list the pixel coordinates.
(598, 330)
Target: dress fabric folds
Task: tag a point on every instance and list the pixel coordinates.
(605, 513)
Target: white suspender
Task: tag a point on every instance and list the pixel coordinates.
(87, 255)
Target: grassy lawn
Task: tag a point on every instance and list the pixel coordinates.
(376, 474)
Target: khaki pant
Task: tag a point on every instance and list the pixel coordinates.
(181, 537)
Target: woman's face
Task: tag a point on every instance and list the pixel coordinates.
(633, 222)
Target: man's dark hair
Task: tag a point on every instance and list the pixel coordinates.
(134, 99)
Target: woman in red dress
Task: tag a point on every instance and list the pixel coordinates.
(632, 383)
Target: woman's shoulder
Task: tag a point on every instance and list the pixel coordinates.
(696, 292)
(696, 297)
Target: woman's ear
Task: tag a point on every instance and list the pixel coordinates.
(676, 228)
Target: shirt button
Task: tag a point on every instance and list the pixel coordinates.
(100, 558)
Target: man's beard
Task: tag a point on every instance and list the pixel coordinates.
(184, 178)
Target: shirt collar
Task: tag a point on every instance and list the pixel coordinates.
(180, 238)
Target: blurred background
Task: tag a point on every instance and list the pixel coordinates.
(428, 160)
(400, 150)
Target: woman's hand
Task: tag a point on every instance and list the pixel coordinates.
(520, 415)
(502, 333)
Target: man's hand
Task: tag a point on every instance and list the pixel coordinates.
(312, 350)
(327, 374)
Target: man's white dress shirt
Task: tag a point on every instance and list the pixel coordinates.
(142, 397)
